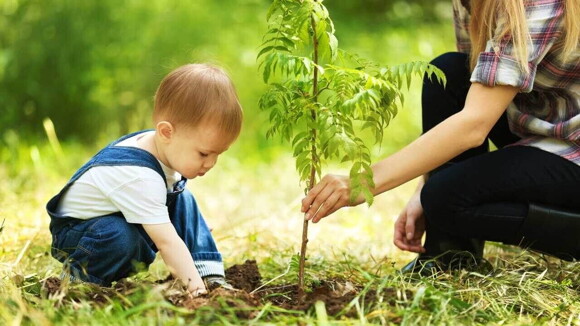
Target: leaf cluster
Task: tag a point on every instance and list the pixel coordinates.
(321, 98)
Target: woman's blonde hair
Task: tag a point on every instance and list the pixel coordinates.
(196, 93)
(483, 23)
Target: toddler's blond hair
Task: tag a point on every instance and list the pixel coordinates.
(196, 93)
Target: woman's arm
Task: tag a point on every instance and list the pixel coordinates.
(467, 129)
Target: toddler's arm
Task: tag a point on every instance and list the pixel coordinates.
(176, 255)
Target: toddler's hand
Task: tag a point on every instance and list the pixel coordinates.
(198, 292)
(197, 288)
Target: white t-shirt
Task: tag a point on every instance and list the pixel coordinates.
(137, 192)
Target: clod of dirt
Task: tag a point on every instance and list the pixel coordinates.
(244, 303)
(51, 285)
(245, 276)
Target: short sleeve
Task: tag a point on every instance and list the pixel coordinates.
(497, 65)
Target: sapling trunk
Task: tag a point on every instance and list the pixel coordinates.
(358, 95)
(314, 157)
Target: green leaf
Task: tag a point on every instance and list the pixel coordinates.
(265, 50)
(321, 29)
(299, 147)
(368, 195)
(281, 48)
(333, 44)
(273, 8)
(354, 170)
(299, 136)
(287, 42)
(367, 125)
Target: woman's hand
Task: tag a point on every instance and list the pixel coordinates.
(326, 197)
(410, 225)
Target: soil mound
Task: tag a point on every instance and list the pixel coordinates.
(247, 298)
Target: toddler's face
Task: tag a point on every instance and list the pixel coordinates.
(194, 151)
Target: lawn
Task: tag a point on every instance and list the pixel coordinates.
(254, 210)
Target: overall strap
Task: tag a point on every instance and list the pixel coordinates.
(111, 156)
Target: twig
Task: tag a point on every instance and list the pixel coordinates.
(26, 246)
(272, 280)
(23, 251)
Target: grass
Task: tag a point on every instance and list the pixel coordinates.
(254, 210)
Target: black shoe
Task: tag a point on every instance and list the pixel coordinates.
(422, 266)
(464, 260)
(449, 261)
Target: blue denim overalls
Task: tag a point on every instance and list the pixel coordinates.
(107, 248)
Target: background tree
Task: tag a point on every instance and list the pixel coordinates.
(321, 98)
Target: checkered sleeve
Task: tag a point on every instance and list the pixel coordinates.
(497, 65)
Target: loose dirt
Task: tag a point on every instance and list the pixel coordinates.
(248, 296)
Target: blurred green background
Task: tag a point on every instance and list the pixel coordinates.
(92, 67)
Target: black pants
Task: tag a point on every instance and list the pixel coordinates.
(481, 195)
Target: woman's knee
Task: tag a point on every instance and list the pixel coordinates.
(442, 101)
(455, 67)
(452, 64)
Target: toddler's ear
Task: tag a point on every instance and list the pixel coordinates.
(164, 129)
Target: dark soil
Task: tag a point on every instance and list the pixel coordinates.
(248, 296)
(244, 277)
(335, 294)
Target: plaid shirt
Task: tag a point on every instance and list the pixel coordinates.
(546, 112)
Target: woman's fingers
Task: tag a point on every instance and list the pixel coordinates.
(413, 246)
(328, 206)
(311, 196)
(399, 232)
(404, 225)
(409, 247)
(316, 204)
(410, 227)
(319, 202)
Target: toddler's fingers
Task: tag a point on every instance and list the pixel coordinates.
(198, 292)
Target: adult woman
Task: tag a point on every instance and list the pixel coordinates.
(523, 71)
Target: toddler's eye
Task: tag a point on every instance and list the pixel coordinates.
(203, 154)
